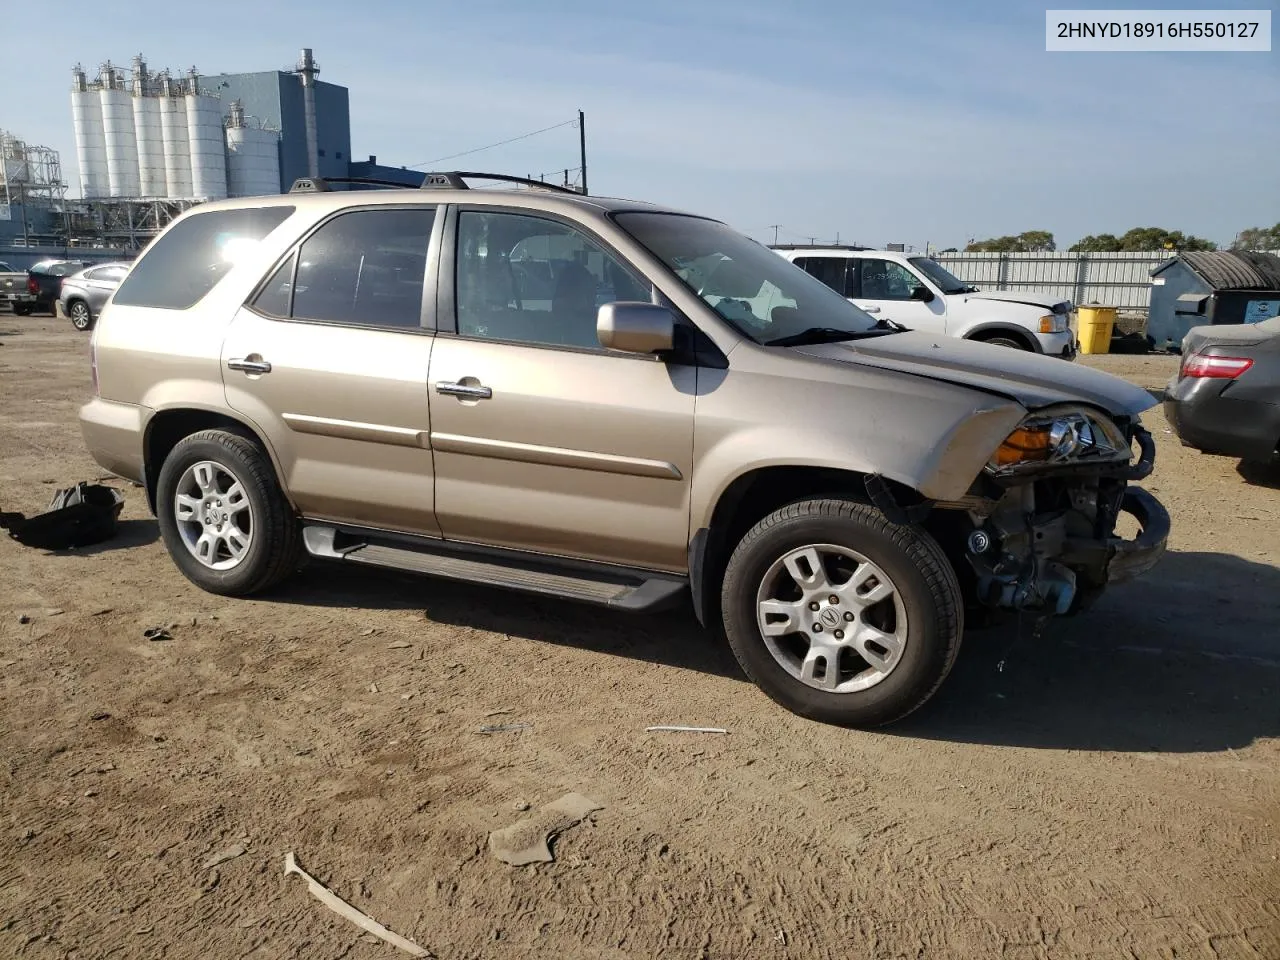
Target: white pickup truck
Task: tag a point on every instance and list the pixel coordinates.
(920, 294)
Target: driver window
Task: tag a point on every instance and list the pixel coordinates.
(886, 280)
(531, 280)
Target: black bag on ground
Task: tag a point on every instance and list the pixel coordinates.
(77, 517)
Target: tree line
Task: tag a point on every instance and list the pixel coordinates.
(1137, 239)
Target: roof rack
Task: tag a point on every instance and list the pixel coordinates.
(451, 179)
(321, 184)
(456, 179)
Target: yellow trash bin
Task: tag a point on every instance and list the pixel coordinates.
(1096, 325)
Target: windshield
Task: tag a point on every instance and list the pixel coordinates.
(947, 282)
(757, 292)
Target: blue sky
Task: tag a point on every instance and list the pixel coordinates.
(884, 122)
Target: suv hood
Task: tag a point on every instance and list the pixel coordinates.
(1032, 379)
(1029, 297)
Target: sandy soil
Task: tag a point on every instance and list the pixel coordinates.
(1113, 791)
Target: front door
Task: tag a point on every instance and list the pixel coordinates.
(885, 290)
(330, 361)
(543, 440)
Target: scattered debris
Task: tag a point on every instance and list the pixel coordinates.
(155, 634)
(368, 631)
(674, 729)
(100, 715)
(101, 612)
(112, 854)
(528, 840)
(233, 851)
(91, 792)
(77, 517)
(373, 688)
(54, 612)
(24, 619)
(498, 713)
(344, 909)
(505, 727)
(399, 645)
(211, 881)
(520, 806)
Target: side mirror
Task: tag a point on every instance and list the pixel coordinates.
(922, 293)
(635, 327)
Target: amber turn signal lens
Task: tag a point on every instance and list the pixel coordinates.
(1047, 324)
(1024, 444)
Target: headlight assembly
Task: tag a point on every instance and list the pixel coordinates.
(1062, 436)
(1053, 323)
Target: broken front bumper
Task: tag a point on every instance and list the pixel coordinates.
(1133, 558)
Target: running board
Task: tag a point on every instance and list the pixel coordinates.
(633, 591)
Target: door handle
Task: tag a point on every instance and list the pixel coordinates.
(869, 309)
(467, 391)
(249, 366)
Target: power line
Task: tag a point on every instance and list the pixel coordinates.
(500, 143)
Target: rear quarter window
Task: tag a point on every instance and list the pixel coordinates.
(188, 260)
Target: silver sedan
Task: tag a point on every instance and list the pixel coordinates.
(84, 294)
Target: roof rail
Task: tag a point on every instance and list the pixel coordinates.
(321, 184)
(456, 179)
(818, 246)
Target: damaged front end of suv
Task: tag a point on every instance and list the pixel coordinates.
(1040, 524)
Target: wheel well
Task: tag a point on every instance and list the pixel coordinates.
(752, 497)
(169, 427)
(1011, 333)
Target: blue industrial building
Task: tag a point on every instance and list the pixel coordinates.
(275, 97)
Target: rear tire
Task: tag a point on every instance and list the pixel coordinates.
(224, 519)
(889, 639)
(80, 315)
(22, 309)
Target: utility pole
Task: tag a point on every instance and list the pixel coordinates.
(582, 147)
(774, 227)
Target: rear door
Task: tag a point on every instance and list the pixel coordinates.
(838, 273)
(100, 283)
(329, 358)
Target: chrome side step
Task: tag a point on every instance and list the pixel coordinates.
(604, 586)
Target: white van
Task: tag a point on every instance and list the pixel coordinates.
(919, 293)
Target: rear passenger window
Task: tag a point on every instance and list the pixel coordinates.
(833, 271)
(189, 259)
(364, 268)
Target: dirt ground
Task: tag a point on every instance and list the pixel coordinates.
(1111, 790)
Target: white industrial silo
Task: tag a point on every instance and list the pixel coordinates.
(173, 130)
(146, 125)
(208, 147)
(91, 145)
(118, 132)
(253, 157)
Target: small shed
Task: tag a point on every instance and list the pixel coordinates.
(1211, 287)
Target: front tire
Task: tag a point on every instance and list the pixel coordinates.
(841, 616)
(224, 519)
(80, 315)
(999, 340)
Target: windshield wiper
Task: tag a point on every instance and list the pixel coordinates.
(822, 335)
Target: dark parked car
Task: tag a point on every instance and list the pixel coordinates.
(84, 294)
(44, 283)
(1225, 398)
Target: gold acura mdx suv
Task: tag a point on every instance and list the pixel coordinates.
(609, 402)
